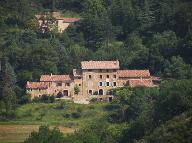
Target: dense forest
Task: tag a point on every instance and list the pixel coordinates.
(141, 34)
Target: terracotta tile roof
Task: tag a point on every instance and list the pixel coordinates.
(134, 73)
(65, 19)
(141, 82)
(70, 20)
(55, 78)
(37, 85)
(100, 65)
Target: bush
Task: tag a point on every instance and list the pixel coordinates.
(45, 135)
(59, 95)
(44, 99)
(93, 100)
(76, 115)
(25, 99)
(96, 93)
(67, 115)
(61, 105)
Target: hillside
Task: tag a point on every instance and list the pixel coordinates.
(152, 35)
(65, 115)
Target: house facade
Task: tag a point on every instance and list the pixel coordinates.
(61, 23)
(93, 80)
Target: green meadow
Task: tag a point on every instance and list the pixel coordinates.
(67, 116)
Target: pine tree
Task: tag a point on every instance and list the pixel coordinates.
(7, 87)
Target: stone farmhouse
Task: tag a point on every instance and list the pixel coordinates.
(61, 23)
(93, 80)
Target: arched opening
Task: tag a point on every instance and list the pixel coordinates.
(65, 93)
(100, 91)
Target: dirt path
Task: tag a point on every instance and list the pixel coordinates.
(18, 133)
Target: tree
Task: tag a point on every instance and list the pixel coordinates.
(177, 69)
(174, 99)
(94, 8)
(162, 47)
(137, 53)
(122, 97)
(76, 89)
(7, 88)
(45, 135)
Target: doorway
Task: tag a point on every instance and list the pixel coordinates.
(65, 93)
(100, 91)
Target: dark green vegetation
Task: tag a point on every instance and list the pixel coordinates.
(138, 115)
(142, 34)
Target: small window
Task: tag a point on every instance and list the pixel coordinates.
(79, 77)
(107, 70)
(100, 76)
(114, 70)
(79, 84)
(107, 76)
(114, 84)
(100, 83)
(59, 84)
(100, 70)
(89, 70)
(67, 84)
(90, 92)
(114, 76)
(90, 76)
(107, 83)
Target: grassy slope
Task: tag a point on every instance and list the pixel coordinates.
(30, 116)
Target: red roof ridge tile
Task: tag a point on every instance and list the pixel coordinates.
(100, 64)
(134, 73)
(56, 77)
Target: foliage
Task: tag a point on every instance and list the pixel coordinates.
(76, 89)
(7, 90)
(45, 135)
(154, 35)
(45, 99)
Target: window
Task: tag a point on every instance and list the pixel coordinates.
(90, 92)
(59, 84)
(79, 84)
(100, 83)
(79, 77)
(107, 76)
(90, 77)
(100, 76)
(67, 84)
(107, 70)
(114, 70)
(89, 70)
(114, 84)
(100, 70)
(114, 76)
(107, 83)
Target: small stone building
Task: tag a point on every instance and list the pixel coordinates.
(93, 80)
(61, 23)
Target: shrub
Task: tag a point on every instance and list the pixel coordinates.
(52, 98)
(44, 99)
(96, 93)
(61, 105)
(25, 99)
(67, 115)
(76, 115)
(93, 100)
(59, 95)
(45, 135)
